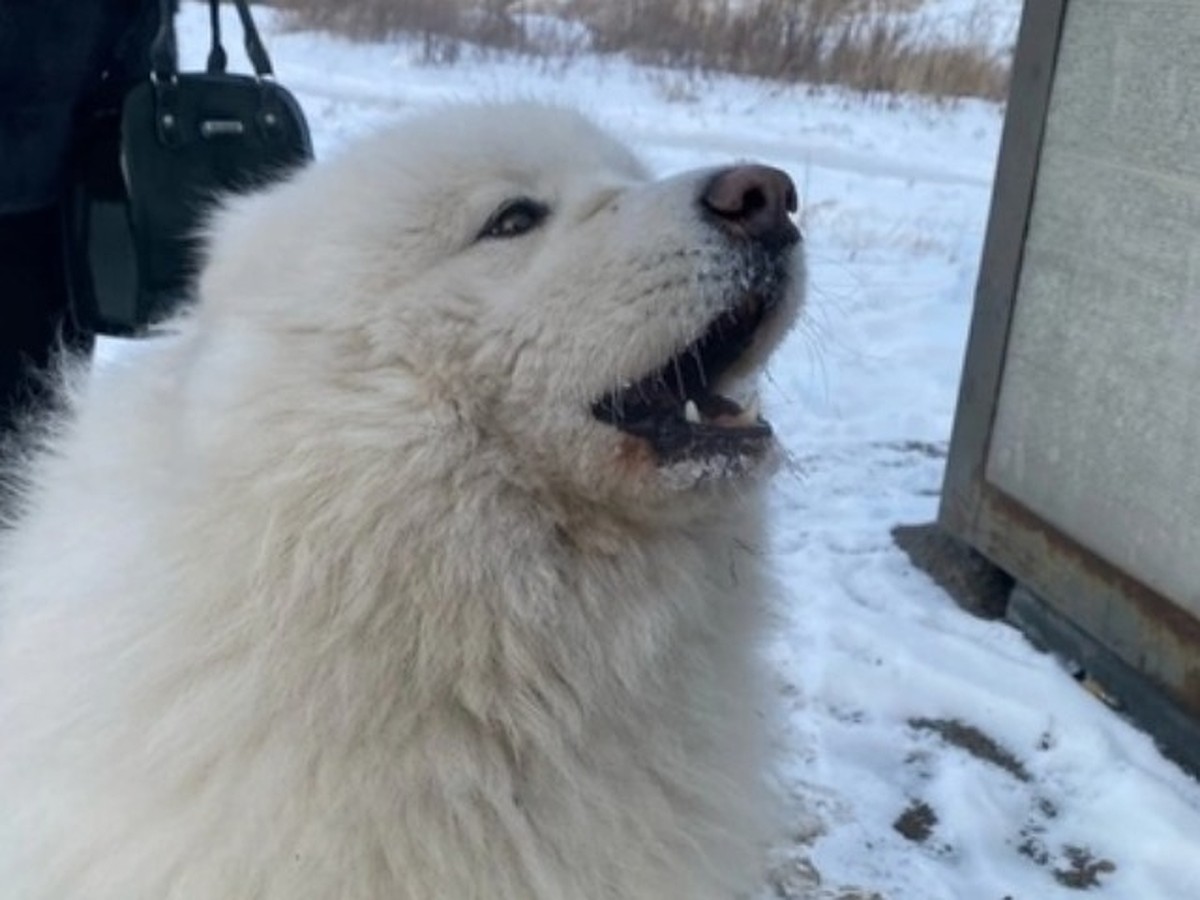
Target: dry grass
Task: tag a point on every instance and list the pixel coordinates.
(861, 44)
(443, 26)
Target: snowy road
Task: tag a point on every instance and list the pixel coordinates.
(1008, 780)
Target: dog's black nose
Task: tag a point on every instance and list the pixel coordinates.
(753, 202)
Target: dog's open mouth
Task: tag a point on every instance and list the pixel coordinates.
(677, 409)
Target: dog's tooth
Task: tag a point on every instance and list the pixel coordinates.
(691, 412)
(752, 409)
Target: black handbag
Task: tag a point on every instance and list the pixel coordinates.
(185, 140)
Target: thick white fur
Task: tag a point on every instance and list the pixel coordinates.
(342, 593)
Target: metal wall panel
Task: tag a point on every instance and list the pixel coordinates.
(1097, 429)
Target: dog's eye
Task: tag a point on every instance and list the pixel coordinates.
(515, 218)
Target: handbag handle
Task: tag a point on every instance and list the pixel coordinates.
(164, 55)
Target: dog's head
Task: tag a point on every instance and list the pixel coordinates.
(596, 331)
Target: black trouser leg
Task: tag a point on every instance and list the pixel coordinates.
(35, 319)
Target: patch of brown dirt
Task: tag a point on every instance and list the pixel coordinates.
(971, 739)
(916, 822)
(1082, 870)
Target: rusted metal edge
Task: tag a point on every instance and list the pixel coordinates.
(1148, 632)
(1175, 732)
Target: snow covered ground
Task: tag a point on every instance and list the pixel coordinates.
(1012, 781)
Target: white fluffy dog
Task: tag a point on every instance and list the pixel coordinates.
(423, 563)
